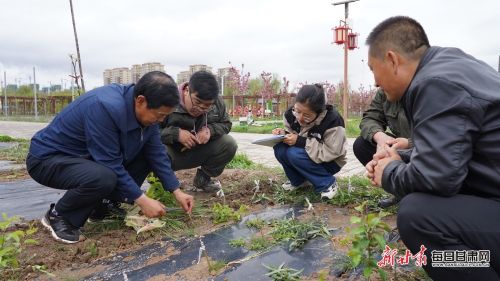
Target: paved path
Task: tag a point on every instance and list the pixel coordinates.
(258, 153)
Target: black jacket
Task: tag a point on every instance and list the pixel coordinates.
(453, 107)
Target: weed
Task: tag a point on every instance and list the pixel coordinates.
(92, 249)
(223, 213)
(259, 243)
(366, 239)
(256, 223)
(42, 269)
(215, 266)
(5, 138)
(157, 192)
(297, 232)
(282, 273)
(11, 244)
(237, 243)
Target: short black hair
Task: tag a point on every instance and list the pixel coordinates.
(158, 88)
(204, 84)
(401, 33)
(313, 96)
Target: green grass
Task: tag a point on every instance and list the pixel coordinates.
(5, 138)
(352, 129)
(241, 161)
(17, 153)
(264, 129)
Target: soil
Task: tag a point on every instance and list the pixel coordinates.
(15, 175)
(75, 261)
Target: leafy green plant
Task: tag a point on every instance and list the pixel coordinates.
(5, 138)
(12, 243)
(256, 223)
(92, 249)
(367, 238)
(297, 232)
(237, 243)
(258, 243)
(282, 273)
(157, 192)
(223, 213)
(215, 266)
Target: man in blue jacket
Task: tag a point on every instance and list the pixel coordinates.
(450, 179)
(101, 147)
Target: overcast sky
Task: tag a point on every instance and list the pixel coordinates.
(289, 37)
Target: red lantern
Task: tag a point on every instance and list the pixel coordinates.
(352, 41)
(340, 35)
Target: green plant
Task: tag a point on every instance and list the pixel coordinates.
(157, 192)
(282, 273)
(297, 232)
(237, 243)
(92, 249)
(367, 238)
(256, 223)
(215, 266)
(259, 243)
(352, 129)
(12, 243)
(42, 268)
(241, 161)
(223, 213)
(5, 138)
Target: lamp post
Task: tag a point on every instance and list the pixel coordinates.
(344, 35)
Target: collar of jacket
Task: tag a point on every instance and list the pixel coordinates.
(128, 95)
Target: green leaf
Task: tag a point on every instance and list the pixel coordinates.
(380, 240)
(355, 220)
(367, 272)
(382, 274)
(30, 242)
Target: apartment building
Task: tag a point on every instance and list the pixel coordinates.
(125, 75)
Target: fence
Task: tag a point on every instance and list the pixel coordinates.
(26, 105)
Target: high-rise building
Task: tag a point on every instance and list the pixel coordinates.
(119, 75)
(183, 76)
(198, 67)
(151, 66)
(124, 75)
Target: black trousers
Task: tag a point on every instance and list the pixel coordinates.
(212, 157)
(461, 222)
(363, 150)
(86, 182)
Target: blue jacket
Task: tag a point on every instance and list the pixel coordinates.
(101, 126)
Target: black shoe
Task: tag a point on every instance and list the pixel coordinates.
(387, 202)
(204, 182)
(60, 229)
(107, 210)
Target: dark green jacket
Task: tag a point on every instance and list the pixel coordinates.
(218, 122)
(382, 114)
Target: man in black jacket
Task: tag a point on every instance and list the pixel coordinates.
(450, 180)
(196, 133)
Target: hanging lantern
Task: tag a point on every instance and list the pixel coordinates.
(339, 35)
(352, 41)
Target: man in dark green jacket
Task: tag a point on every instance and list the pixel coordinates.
(196, 133)
(380, 116)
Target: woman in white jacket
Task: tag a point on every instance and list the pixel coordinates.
(313, 149)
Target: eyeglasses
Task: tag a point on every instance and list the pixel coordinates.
(199, 104)
(307, 117)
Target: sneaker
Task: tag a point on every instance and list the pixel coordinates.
(60, 229)
(330, 192)
(107, 210)
(387, 202)
(204, 182)
(288, 186)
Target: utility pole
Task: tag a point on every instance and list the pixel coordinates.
(345, 103)
(34, 93)
(77, 46)
(5, 106)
